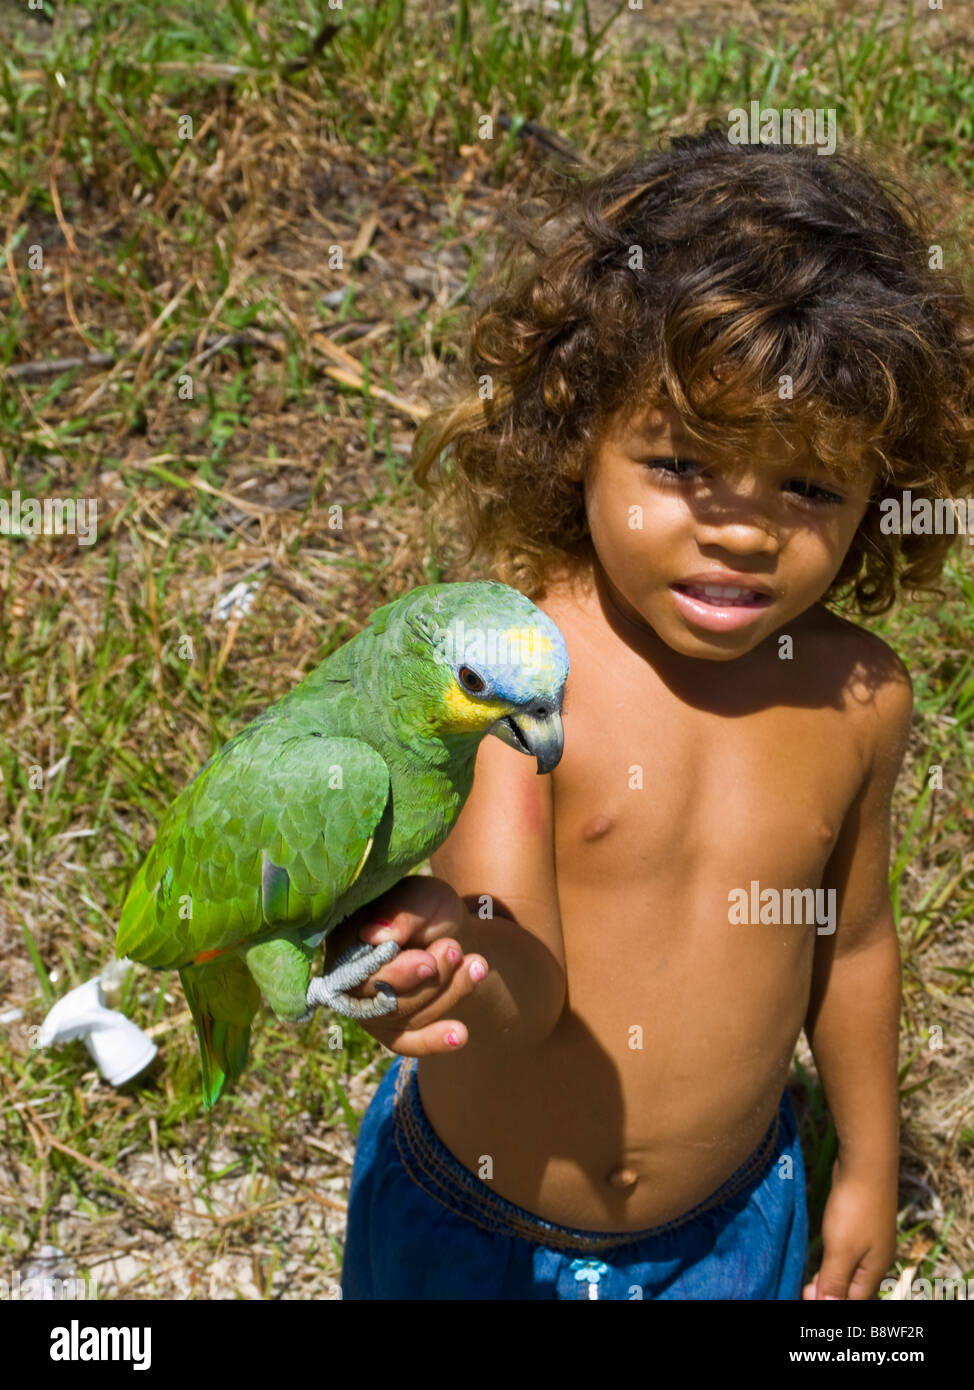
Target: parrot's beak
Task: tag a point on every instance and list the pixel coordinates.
(543, 736)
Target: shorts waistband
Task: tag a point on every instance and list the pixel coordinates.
(443, 1177)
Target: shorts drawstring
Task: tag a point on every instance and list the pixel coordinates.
(592, 1271)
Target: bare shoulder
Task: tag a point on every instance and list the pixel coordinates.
(568, 600)
(875, 684)
(872, 666)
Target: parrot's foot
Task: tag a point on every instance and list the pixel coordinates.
(353, 967)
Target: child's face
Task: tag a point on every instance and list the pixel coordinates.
(665, 521)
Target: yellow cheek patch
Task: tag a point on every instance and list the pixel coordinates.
(464, 715)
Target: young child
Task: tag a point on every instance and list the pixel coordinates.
(690, 401)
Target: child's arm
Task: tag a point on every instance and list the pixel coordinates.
(501, 849)
(852, 1021)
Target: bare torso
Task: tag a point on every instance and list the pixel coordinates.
(673, 1049)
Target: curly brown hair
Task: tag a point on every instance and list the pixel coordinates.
(698, 278)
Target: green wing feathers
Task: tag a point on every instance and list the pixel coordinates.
(269, 835)
(223, 998)
(290, 827)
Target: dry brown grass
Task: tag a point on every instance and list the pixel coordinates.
(221, 269)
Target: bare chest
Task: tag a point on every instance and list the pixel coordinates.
(662, 809)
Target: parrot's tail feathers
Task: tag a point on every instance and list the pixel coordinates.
(223, 1055)
(223, 1038)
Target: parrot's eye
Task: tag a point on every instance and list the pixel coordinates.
(470, 680)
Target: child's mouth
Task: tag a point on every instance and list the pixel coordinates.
(720, 607)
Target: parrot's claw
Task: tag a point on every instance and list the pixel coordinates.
(353, 967)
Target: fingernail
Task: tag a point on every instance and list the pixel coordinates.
(453, 954)
(425, 971)
(384, 934)
(477, 971)
(452, 1039)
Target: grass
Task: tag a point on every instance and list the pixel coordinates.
(188, 185)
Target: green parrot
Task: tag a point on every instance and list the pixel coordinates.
(329, 798)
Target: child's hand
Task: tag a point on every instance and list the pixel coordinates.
(424, 915)
(858, 1237)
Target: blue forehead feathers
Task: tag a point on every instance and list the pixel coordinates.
(517, 650)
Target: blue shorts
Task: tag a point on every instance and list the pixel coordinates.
(422, 1226)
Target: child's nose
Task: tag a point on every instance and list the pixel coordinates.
(743, 533)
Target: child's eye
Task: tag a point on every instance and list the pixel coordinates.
(674, 469)
(813, 493)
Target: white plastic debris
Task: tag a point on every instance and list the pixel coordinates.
(236, 602)
(48, 1267)
(111, 980)
(120, 1049)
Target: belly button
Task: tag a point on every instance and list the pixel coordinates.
(621, 1178)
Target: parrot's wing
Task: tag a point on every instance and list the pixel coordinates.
(272, 832)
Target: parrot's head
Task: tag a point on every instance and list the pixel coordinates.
(485, 659)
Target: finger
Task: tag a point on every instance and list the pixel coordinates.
(406, 972)
(418, 910)
(447, 1035)
(457, 976)
(416, 976)
(865, 1282)
(418, 1028)
(429, 1006)
(834, 1275)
